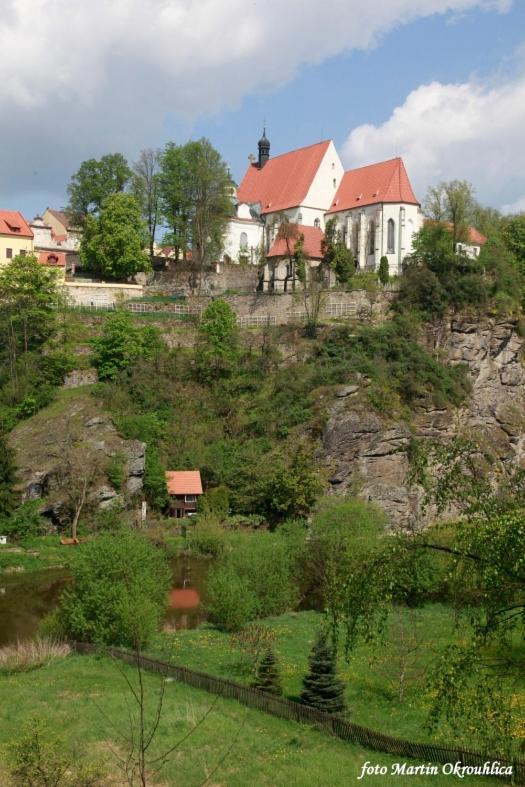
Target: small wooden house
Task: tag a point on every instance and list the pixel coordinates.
(184, 488)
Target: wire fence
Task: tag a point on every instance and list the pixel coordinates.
(328, 723)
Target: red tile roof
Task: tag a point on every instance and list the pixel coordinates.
(284, 181)
(184, 482)
(13, 223)
(476, 237)
(313, 238)
(384, 182)
(55, 258)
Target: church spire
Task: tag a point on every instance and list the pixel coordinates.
(264, 149)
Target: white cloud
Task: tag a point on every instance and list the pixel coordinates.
(518, 206)
(469, 131)
(80, 77)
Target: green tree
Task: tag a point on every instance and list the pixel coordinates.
(120, 343)
(513, 234)
(145, 184)
(453, 202)
(118, 594)
(267, 674)
(322, 689)
(336, 256)
(195, 194)
(113, 243)
(155, 479)
(8, 497)
(299, 260)
(217, 347)
(383, 274)
(231, 601)
(94, 182)
(286, 489)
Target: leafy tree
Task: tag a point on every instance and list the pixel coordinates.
(94, 182)
(321, 687)
(8, 497)
(287, 489)
(175, 197)
(454, 202)
(336, 256)
(145, 184)
(113, 243)
(383, 274)
(155, 479)
(267, 675)
(231, 601)
(195, 193)
(119, 345)
(513, 234)
(118, 594)
(299, 260)
(24, 521)
(216, 350)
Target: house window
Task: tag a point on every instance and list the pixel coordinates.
(371, 236)
(9, 254)
(189, 498)
(243, 243)
(23, 252)
(299, 218)
(334, 182)
(317, 223)
(391, 237)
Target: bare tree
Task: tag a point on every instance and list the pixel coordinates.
(146, 187)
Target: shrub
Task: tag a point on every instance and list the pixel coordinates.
(40, 758)
(206, 536)
(116, 470)
(119, 592)
(24, 522)
(383, 272)
(31, 654)
(232, 603)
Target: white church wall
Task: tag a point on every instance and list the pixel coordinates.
(243, 238)
(326, 181)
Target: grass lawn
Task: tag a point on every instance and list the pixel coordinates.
(371, 676)
(76, 694)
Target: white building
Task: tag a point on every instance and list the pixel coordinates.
(377, 214)
(374, 207)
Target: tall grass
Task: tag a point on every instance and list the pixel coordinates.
(31, 654)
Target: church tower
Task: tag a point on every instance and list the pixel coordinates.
(264, 150)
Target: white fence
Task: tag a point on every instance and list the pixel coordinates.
(256, 321)
(340, 310)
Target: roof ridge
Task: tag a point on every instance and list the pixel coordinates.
(298, 150)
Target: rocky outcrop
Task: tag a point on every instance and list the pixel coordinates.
(367, 454)
(72, 442)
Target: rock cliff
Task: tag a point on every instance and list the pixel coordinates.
(368, 454)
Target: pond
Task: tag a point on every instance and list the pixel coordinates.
(26, 598)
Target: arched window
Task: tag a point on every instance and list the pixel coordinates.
(317, 223)
(243, 242)
(391, 237)
(371, 236)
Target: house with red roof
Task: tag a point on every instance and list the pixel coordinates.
(472, 244)
(16, 236)
(184, 488)
(62, 227)
(377, 214)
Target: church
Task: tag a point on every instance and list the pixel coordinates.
(374, 207)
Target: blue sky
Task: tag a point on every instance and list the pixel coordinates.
(440, 82)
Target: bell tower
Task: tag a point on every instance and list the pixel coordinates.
(264, 150)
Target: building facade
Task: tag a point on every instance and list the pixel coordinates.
(16, 236)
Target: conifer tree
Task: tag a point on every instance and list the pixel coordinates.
(383, 272)
(267, 675)
(322, 689)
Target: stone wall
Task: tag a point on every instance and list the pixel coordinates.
(101, 295)
(179, 277)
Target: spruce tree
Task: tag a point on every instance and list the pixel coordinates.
(267, 675)
(322, 689)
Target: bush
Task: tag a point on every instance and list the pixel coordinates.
(119, 592)
(232, 603)
(24, 522)
(116, 470)
(383, 272)
(206, 536)
(39, 758)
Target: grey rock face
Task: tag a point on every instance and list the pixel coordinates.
(367, 454)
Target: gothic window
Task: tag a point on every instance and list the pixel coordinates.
(391, 237)
(371, 236)
(317, 223)
(243, 243)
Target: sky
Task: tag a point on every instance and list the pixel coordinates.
(439, 82)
